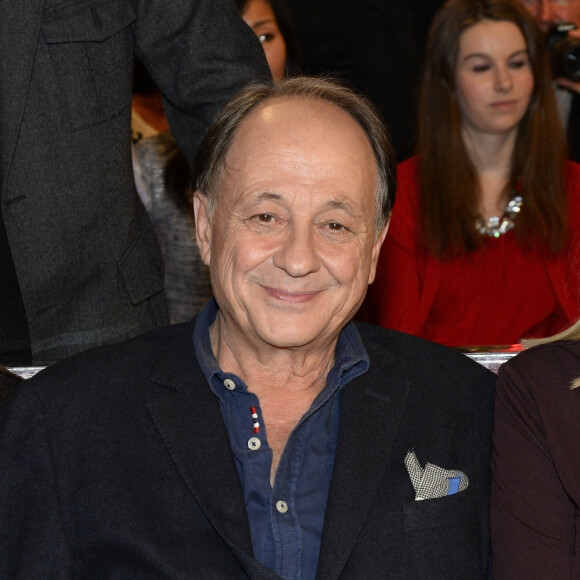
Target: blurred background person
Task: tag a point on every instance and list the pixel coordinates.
(163, 182)
(547, 14)
(477, 251)
(79, 258)
(535, 489)
(163, 175)
(147, 114)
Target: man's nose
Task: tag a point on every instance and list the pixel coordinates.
(297, 254)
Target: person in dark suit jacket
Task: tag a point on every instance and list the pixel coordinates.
(271, 437)
(79, 259)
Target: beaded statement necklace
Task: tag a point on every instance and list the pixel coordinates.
(494, 227)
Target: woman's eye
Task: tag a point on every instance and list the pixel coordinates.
(265, 37)
(480, 68)
(518, 63)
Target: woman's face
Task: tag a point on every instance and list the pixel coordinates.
(493, 77)
(260, 17)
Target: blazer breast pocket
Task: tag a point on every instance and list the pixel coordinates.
(439, 512)
(91, 48)
(446, 537)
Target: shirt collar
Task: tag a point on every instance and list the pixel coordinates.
(350, 358)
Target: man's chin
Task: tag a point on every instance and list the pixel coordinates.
(291, 336)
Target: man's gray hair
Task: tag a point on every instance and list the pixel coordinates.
(211, 158)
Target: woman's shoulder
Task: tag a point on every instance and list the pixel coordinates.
(549, 353)
(572, 170)
(408, 180)
(550, 366)
(572, 166)
(408, 168)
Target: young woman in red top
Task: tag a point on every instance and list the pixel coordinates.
(478, 251)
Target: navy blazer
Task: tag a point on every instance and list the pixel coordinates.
(116, 463)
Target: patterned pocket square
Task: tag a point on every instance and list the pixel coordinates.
(433, 481)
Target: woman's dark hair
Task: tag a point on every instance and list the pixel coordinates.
(448, 179)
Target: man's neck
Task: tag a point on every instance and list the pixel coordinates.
(285, 381)
(287, 372)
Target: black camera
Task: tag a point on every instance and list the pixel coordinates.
(564, 51)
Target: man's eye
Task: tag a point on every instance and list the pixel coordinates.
(335, 226)
(265, 218)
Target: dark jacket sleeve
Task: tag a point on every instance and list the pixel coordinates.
(200, 53)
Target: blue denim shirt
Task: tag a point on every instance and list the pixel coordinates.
(286, 520)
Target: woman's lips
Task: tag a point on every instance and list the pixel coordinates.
(504, 105)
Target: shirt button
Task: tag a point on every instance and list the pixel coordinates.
(254, 444)
(282, 506)
(229, 384)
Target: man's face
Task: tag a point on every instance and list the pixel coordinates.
(292, 243)
(549, 12)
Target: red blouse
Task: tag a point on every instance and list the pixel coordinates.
(493, 296)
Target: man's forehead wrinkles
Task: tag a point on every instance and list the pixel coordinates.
(266, 154)
(343, 204)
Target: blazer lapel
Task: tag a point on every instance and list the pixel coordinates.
(372, 409)
(19, 36)
(189, 421)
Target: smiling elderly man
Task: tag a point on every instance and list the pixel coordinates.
(271, 437)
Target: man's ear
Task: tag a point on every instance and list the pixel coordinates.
(376, 251)
(202, 226)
